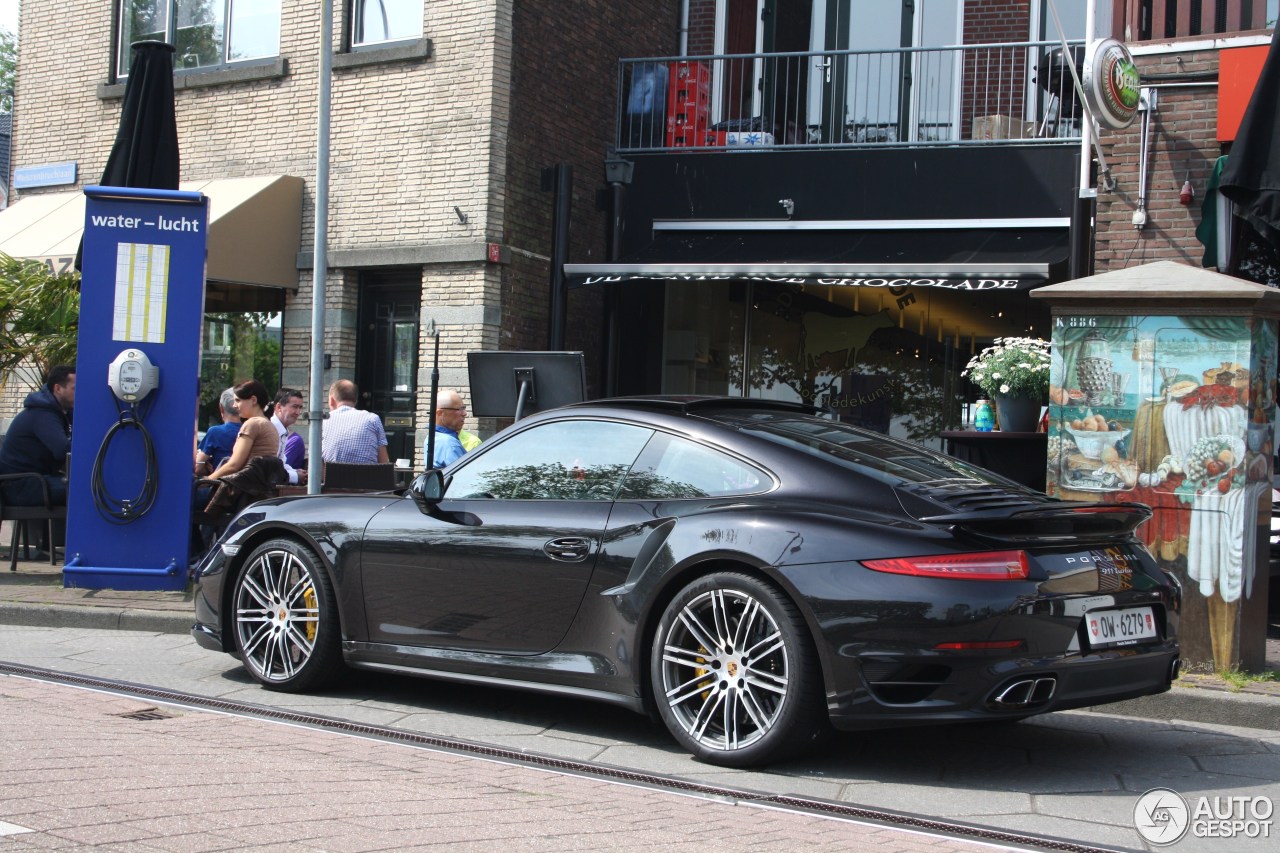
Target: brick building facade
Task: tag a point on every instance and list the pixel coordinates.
(1182, 146)
(436, 150)
(438, 144)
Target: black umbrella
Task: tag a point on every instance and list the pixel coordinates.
(1251, 177)
(145, 153)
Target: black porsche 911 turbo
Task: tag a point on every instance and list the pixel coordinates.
(752, 572)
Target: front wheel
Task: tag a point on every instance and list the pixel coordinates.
(734, 673)
(286, 619)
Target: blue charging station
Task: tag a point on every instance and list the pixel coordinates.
(137, 384)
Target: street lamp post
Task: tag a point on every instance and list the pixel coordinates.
(320, 261)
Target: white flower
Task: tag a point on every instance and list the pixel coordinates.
(1012, 365)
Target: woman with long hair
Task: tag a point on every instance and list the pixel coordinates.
(258, 436)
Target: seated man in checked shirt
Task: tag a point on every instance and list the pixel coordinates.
(350, 434)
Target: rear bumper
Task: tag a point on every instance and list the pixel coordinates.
(1012, 689)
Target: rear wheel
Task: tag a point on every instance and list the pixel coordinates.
(734, 673)
(286, 620)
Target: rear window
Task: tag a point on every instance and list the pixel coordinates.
(869, 453)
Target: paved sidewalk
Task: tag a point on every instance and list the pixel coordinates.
(34, 595)
(83, 770)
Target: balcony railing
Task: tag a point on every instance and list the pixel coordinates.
(973, 94)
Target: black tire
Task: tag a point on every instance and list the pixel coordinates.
(285, 618)
(734, 673)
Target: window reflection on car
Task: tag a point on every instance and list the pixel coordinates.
(560, 460)
(880, 457)
(673, 467)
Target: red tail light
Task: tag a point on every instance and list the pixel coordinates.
(985, 566)
(995, 645)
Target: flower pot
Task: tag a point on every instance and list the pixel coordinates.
(1018, 414)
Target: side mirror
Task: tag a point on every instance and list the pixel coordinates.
(428, 488)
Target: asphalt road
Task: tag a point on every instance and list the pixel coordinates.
(1075, 776)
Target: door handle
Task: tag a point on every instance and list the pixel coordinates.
(569, 549)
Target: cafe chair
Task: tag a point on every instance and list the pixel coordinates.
(20, 515)
(359, 477)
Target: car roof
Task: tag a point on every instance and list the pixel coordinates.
(695, 404)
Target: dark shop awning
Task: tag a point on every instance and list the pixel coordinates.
(968, 258)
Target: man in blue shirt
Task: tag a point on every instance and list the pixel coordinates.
(220, 439)
(450, 415)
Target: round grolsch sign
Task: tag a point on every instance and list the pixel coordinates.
(1111, 84)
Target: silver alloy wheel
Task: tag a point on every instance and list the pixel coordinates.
(277, 614)
(725, 670)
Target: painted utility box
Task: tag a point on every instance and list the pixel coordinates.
(1163, 392)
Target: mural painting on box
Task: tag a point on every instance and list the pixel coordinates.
(1176, 413)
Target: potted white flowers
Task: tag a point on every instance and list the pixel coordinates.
(1015, 372)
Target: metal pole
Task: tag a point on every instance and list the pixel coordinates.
(558, 305)
(320, 261)
(430, 461)
(618, 173)
(1083, 211)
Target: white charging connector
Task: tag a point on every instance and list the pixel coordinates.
(132, 376)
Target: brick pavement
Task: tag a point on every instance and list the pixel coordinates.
(77, 771)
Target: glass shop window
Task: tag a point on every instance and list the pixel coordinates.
(236, 347)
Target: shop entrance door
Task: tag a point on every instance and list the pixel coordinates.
(387, 354)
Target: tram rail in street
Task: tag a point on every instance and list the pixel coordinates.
(600, 771)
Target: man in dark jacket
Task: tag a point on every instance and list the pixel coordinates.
(38, 440)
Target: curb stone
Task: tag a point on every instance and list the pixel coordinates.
(1202, 705)
(101, 618)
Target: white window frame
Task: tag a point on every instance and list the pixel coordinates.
(124, 57)
(355, 7)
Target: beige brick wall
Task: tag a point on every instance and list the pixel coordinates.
(409, 141)
(511, 87)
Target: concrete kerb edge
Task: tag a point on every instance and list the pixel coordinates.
(1201, 705)
(103, 618)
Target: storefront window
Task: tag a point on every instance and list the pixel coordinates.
(236, 347)
(702, 352)
(885, 359)
(813, 345)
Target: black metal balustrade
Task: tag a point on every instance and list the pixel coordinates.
(972, 94)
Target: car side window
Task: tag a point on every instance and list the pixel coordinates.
(674, 467)
(561, 460)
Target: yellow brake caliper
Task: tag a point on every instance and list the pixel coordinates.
(702, 672)
(313, 604)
